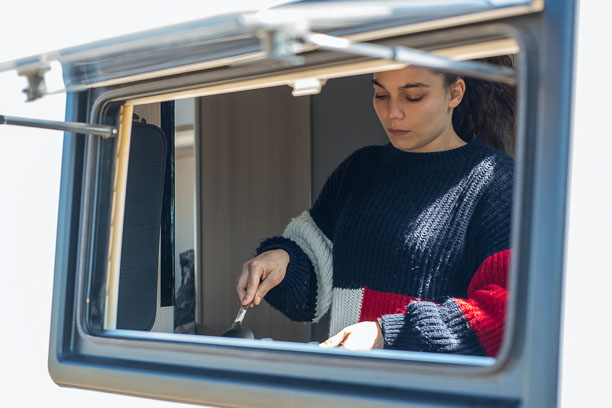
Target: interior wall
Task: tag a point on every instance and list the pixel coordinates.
(184, 193)
(255, 176)
(150, 112)
(184, 183)
(270, 154)
(343, 120)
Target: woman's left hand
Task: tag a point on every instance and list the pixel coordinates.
(360, 336)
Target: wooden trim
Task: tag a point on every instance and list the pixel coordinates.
(117, 215)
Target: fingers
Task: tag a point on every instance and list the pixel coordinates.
(255, 272)
(259, 275)
(359, 336)
(335, 341)
(268, 283)
(248, 282)
(241, 284)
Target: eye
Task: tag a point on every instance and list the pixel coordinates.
(414, 99)
(377, 96)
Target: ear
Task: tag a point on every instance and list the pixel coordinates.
(456, 92)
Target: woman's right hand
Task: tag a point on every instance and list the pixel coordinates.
(261, 274)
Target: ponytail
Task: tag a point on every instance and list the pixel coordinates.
(487, 111)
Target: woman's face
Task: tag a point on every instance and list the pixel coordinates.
(415, 108)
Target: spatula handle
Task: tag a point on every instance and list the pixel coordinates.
(240, 316)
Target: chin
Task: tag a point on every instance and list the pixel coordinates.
(405, 144)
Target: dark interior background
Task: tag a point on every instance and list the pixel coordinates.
(265, 156)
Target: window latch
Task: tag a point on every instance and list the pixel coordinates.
(74, 127)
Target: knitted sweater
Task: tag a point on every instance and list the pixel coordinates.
(419, 240)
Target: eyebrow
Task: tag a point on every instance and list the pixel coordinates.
(406, 86)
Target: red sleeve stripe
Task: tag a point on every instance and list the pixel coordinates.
(375, 304)
(485, 306)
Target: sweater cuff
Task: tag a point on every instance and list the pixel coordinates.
(295, 296)
(430, 327)
(391, 327)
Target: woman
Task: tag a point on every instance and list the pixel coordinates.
(408, 243)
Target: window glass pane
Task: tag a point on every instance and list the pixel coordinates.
(381, 204)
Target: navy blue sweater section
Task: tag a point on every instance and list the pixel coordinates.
(415, 224)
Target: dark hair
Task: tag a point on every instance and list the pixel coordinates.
(487, 111)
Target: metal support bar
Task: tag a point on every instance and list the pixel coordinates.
(74, 127)
(417, 58)
(280, 43)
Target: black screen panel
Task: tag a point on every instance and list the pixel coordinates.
(141, 228)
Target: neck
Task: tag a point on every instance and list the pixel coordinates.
(453, 141)
(447, 140)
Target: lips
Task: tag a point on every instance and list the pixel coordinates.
(398, 132)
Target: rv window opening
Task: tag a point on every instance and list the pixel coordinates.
(209, 103)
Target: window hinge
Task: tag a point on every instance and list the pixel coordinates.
(74, 127)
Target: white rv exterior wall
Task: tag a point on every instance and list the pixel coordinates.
(30, 163)
(29, 186)
(587, 325)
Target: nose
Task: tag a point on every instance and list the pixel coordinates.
(394, 111)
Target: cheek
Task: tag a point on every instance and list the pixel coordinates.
(431, 113)
(420, 115)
